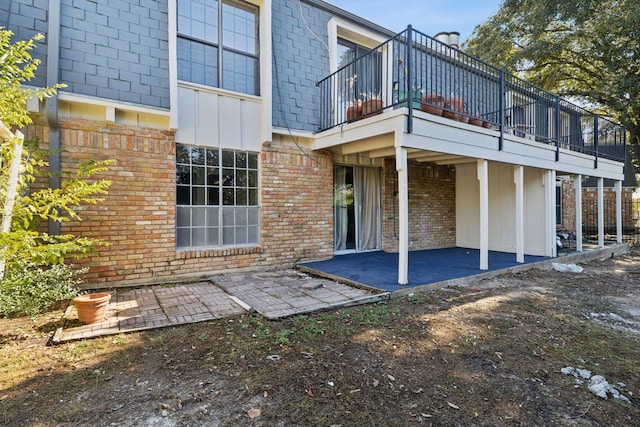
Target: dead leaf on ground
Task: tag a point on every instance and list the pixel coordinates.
(454, 406)
(253, 413)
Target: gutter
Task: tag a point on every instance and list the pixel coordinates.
(51, 109)
(336, 11)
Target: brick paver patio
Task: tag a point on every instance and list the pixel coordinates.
(273, 294)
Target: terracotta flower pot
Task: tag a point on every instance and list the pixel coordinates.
(431, 104)
(354, 113)
(475, 122)
(462, 118)
(486, 124)
(91, 307)
(371, 106)
(455, 104)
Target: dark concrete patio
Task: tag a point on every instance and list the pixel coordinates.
(433, 267)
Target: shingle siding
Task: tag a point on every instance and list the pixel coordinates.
(27, 18)
(109, 49)
(301, 60)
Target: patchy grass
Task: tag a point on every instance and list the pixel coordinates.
(485, 355)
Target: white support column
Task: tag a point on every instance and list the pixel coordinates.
(550, 216)
(601, 212)
(403, 216)
(483, 178)
(618, 189)
(518, 179)
(577, 185)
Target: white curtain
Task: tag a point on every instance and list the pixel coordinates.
(367, 198)
(340, 208)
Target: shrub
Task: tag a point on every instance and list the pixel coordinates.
(33, 290)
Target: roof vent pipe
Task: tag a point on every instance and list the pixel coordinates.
(454, 39)
(442, 37)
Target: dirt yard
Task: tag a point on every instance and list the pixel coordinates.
(490, 354)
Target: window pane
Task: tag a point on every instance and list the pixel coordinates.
(183, 195)
(197, 156)
(199, 19)
(241, 235)
(240, 27)
(241, 178)
(253, 197)
(228, 234)
(212, 217)
(197, 196)
(241, 216)
(213, 196)
(198, 236)
(183, 175)
(213, 176)
(241, 159)
(228, 217)
(213, 158)
(213, 234)
(197, 62)
(183, 237)
(241, 197)
(228, 158)
(253, 160)
(228, 197)
(183, 217)
(253, 216)
(228, 178)
(197, 175)
(253, 234)
(198, 216)
(253, 179)
(240, 72)
(183, 154)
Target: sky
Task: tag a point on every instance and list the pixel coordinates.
(428, 16)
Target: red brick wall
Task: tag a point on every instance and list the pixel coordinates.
(137, 218)
(590, 207)
(432, 206)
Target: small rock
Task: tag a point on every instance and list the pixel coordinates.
(569, 370)
(253, 413)
(599, 386)
(584, 373)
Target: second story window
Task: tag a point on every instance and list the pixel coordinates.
(218, 44)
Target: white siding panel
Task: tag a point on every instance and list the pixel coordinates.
(231, 118)
(211, 119)
(534, 212)
(502, 214)
(208, 123)
(186, 132)
(251, 125)
(467, 206)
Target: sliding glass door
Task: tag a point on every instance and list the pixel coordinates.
(356, 209)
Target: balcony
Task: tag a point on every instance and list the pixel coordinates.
(442, 93)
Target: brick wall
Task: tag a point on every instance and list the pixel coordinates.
(297, 204)
(590, 207)
(432, 206)
(137, 218)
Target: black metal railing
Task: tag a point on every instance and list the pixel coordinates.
(413, 69)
